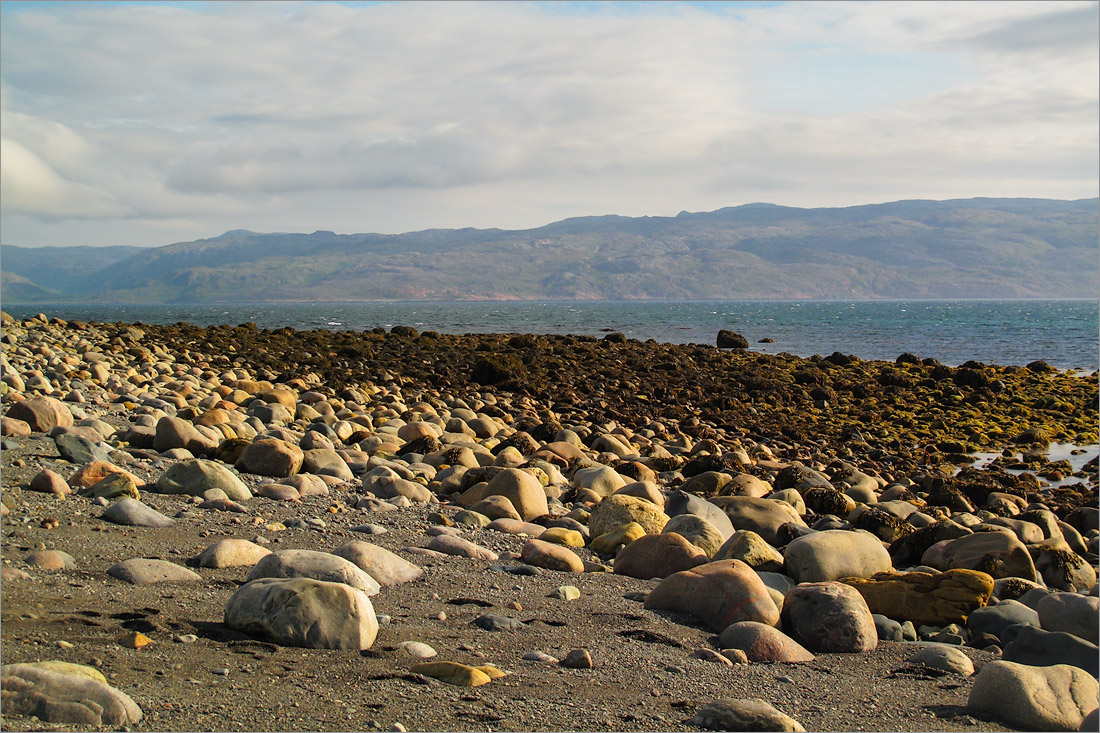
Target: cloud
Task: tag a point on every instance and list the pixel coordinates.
(153, 119)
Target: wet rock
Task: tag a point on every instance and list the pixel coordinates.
(731, 340)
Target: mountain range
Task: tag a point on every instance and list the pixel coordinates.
(964, 248)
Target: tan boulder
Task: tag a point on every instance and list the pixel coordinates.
(946, 598)
(618, 509)
(658, 556)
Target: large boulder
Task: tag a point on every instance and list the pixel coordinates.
(829, 617)
(174, 432)
(271, 457)
(658, 556)
(681, 502)
(717, 593)
(696, 530)
(744, 714)
(763, 643)
(522, 489)
(551, 556)
(55, 696)
(379, 563)
(196, 476)
(1000, 554)
(1071, 613)
(1034, 698)
(618, 510)
(326, 462)
(751, 549)
(303, 612)
(41, 413)
(313, 564)
(1034, 646)
(1063, 569)
(922, 598)
(229, 553)
(763, 516)
(835, 554)
(602, 480)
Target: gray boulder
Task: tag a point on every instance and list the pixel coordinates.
(1072, 613)
(1031, 645)
(133, 513)
(1034, 698)
(57, 697)
(196, 476)
(313, 564)
(145, 571)
(303, 612)
(746, 714)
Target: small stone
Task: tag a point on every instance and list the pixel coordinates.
(944, 658)
(577, 659)
(134, 640)
(452, 673)
(185, 638)
(220, 671)
(537, 656)
(566, 593)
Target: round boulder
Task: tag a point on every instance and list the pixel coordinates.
(303, 612)
(829, 617)
(834, 554)
(718, 594)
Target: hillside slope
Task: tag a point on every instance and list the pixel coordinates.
(972, 248)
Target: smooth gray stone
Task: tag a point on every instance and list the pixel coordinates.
(135, 514)
(491, 622)
(1039, 648)
(79, 450)
(887, 628)
(146, 571)
(995, 619)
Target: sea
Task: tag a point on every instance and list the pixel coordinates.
(1064, 333)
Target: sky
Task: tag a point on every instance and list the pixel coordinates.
(142, 123)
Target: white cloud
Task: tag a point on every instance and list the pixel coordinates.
(154, 123)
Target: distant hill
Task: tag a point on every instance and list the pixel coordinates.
(972, 248)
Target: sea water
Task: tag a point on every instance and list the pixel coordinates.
(1064, 333)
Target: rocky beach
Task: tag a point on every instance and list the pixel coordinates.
(236, 528)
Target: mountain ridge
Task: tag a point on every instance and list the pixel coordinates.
(980, 247)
